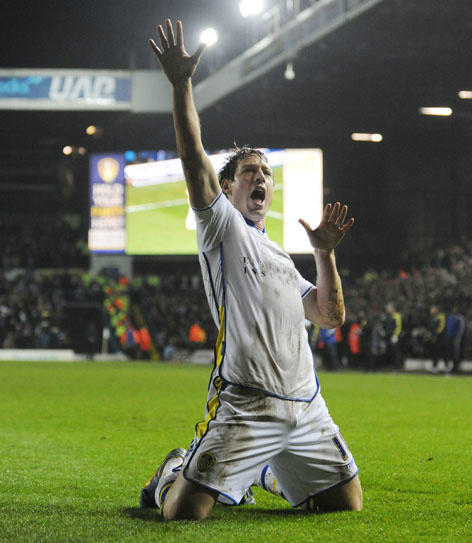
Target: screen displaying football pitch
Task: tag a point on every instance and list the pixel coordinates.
(142, 207)
(159, 219)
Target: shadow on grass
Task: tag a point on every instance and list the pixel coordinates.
(219, 512)
(149, 514)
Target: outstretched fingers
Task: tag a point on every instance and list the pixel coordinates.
(347, 226)
(338, 216)
(326, 213)
(305, 225)
(162, 38)
(170, 32)
(167, 38)
(341, 217)
(334, 212)
(334, 215)
(180, 35)
(154, 47)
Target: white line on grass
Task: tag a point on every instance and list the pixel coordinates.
(156, 205)
(183, 201)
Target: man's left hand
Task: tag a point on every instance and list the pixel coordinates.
(331, 229)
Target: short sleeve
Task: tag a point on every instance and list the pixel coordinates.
(305, 286)
(212, 222)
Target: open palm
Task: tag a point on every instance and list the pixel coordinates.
(177, 64)
(331, 229)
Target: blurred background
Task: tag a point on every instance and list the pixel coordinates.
(382, 87)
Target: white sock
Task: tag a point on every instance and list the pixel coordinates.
(168, 476)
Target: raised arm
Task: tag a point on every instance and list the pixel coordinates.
(179, 66)
(325, 304)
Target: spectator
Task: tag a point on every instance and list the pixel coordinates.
(393, 331)
(378, 346)
(145, 343)
(354, 344)
(196, 336)
(454, 333)
(328, 338)
(433, 336)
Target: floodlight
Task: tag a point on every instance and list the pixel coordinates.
(365, 136)
(209, 36)
(249, 8)
(67, 150)
(440, 111)
(289, 71)
(465, 94)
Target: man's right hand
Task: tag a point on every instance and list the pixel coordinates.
(177, 64)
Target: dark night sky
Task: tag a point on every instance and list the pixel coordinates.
(373, 74)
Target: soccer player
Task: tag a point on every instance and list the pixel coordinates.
(266, 422)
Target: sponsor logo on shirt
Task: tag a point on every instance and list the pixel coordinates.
(284, 273)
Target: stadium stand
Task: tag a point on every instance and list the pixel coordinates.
(424, 294)
(48, 300)
(35, 241)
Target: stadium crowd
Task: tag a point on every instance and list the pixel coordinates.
(33, 306)
(422, 310)
(33, 242)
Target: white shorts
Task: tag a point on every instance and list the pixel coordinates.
(245, 430)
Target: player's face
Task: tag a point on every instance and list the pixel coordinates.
(252, 189)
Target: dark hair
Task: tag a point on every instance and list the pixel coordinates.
(237, 154)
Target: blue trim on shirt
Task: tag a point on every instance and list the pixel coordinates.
(274, 394)
(211, 283)
(307, 291)
(210, 206)
(253, 224)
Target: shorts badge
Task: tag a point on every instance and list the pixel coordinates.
(205, 462)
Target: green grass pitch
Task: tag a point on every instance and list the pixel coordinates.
(156, 214)
(78, 440)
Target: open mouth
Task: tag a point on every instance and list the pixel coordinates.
(258, 195)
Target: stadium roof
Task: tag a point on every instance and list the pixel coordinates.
(370, 75)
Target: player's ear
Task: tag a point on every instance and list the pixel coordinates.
(226, 187)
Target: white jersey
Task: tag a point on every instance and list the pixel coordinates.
(255, 295)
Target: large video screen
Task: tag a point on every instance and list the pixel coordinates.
(155, 217)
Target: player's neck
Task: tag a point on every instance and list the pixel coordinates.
(260, 225)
